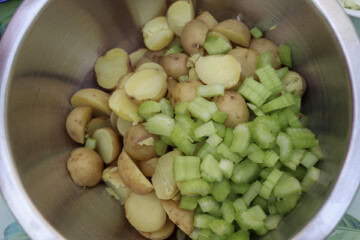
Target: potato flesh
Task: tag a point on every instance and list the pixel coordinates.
(161, 234)
(182, 218)
(137, 55)
(76, 123)
(179, 14)
(184, 92)
(235, 31)
(145, 212)
(294, 83)
(208, 19)
(97, 123)
(111, 67)
(150, 65)
(107, 144)
(94, 98)
(157, 34)
(122, 126)
(112, 179)
(247, 59)
(123, 107)
(194, 36)
(223, 69)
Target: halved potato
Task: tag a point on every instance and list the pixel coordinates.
(247, 59)
(193, 75)
(223, 69)
(184, 92)
(150, 65)
(175, 64)
(123, 107)
(122, 80)
(97, 123)
(113, 120)
(111, 67)
(171, 85)
(177, 197)
(193, 36)
(142, 61)
(294, 83)
(161, 234)
(132, 176)
(184, 219)
(108, 144)
(157, 34)
(76, 123)
(123, 125)
(179, 14)
(263, 45)
(137, 55)
(94, 98)
(148, 167)
(208, 19)
(145, 212)
(235, 30)
(112, 180)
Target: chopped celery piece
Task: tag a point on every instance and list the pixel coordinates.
(240, 188)
(299, 173)
(205, 150)
(176, 48)
(257, 111)
(311, 177)
(214, 236)
(254, 91)
(272, 221)
(208, 204)
(285, 55)
(206, 129)
(256, 32)
(228, 211)
(216, 213)
(286, 146)
(245, 172)
(148, 109)
(264, 59)
(90, 143)
(203, 221)
(195, 234)
(183, 78)
(226, 153)
(261, 231)
(160, 124)
(220, 190)
(229, 135)
(188, 203)
(211, 90)
(219, 117)
(252, 218)
(216, 45)
(283, 101)
(240, 235)
(262, 202)
(265, 172)
(239, 205)
(297, 106)
(220, 129)
(214, 140)
(295, 158)
(209, 106)
(272, 208)
(270, 183)
(272, 123)
(283, 118)
(226, 167)
(210, 170)
(205, 234)
(287, 186)
(317, 152)
(221, 227)
(195, 187)
(186, 168)
(253, 148)
(232, 196)
(166, 107)
(187, 124)
(199, 112)
(302, 137)
(167, 140)
(309, 160)
(160, 147)
(268, 77)
(270, 158)
(287, 204)
(257, 157)
(263, 135)
(251, 194)
(241, 139)
(258, 212)
(182, 108)
(281, 73)
(294, 121)
(182, 141)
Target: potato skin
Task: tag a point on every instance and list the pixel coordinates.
(184, 92)
(193, 36)
(161, 234)
(247, 59)
(96, 99)
(97, 123)
(175, 64)
(208, 19)
(263, 45)
(235, 106)
(103, 146)
(133, 136)
(148, 167)
(121, 83)
(85, 167)
(182, 218)
(76, 123)
(236, 31)
(154, 55)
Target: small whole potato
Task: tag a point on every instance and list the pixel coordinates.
(208, 19)
(236, 31)
(175, 64)
(193, 36)
(184, 92)
(161, 234)
(263, 45)
(179, 14)
(85, 167)
(97, 123)
(247, 59)
(148, 167)
(294, 83)
(157, 34)
(76, 123)
(234, 105)
(134, 135)
(96, 99)
(108, 144)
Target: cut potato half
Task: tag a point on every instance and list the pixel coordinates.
(136, 56)
(150, 65)
(96, 99)
(108, 144)
(235, 30)
(157, 34)
(123, 125)
(179, 14)
(112, 180)
(184, 219)
(161, 234)
(123, 107)
(97, 123)
(148, 167)
(76, 123)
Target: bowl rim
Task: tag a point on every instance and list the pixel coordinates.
(353, 13)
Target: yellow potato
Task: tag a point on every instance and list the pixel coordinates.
(111, 67)
(193, 36)
(222, 69)
(148, 167)
(171, 85)
(123, 107)
(97, 123)
(208, 19)
(150, 65)
(142, 61)
(157, 34)
(263, 45)
(175, 64)
(182, 218)
(148, 84)
(94, 98)
(155, 55)
(76, 123)
(294, 83)
(235, 31)
(122, 80)
(112, 180)
(145, 212)
(132, 176)
(184, 92)
(177, 196)
(122, 126)
(108, 144)
(113, 120)
(193, 75)
(247, 59)
(85, 167)
(179, 14)
(161, 234)
(163, 178)
(137, 55)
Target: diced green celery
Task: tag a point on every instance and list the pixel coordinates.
(221, 227)
(195, 187)
(176, 48)
(257, 111)
(272, 123)
(208, 204)
(272, 208)
(294, 121)
(262, 202)
(295, 158)
(199, 112)
(256, 32)
(186, 168)
(214, 236)
(160, 147)
(220, 129)
(269, 79)
(210, 106)
(270, 158)
(219, 117)
(311, 177)
(287, 186)
(286, 146)
(264, 59)
(226, 153)
(182, 108)
(278, 165)
(254, 91)
(148, 109)
(232, 196)
(206, 129)
(210, 170)
(182, 141)
(166, 107)
(211, 90)
(239, 188)
(216, 213)
(228, 211)
(187, 124)
(299, 173)
(270, 183)
(229, 135)
(239, 205)
(90, 143)
(214, 140)
(251, 194)
(261, 231)
(287, 204)
(265, 172)
(226, 167)
(205, 150)
(262, 134)
(240, 235)
(160, 124)
(257, 157)
(167, 140)
(203, 221)
(309, 159)
(302, 137)
(241, 139)
(220, 190)
(216, 45)
(252, 218)
(317, 152)
(297, 106)
(188, 203)
(282, 72)
(195, 234)
(183, 78)
(285, 55)
(283, 118)
(253, 148)
(245, 172)
(283, 101)
(205, 234)
(272, 221)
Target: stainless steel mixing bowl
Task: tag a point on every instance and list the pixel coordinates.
(48, 53)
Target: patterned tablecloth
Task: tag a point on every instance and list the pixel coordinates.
(348, 228)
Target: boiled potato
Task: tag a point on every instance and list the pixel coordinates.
(94, 98)
(179, 14)
(184, 92)
(184, 219)
(148, 167)
(135, 135)
(263, 45)
(223, 69)
(123, 107)
(97, 123)
(145, 212)
(163, 178)
(294, 83)
(171, 85)
(150, 65)
(208, 19)
(235, 30)
(157, 34)
(148, 84)
(113, 120)
(177, 197)
(234, 105)
(175, 64)
(108, 144)
(132, 176)
(85, 167)
(136, 56)
(155, 55)
(161, 234)
(112, 179)
(142, 61)
(76, 123)
(193, 36)
(247, 59)
(122, 80)
(123, 125)
(193, 75)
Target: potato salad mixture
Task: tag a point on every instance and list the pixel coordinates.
(201, 130)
